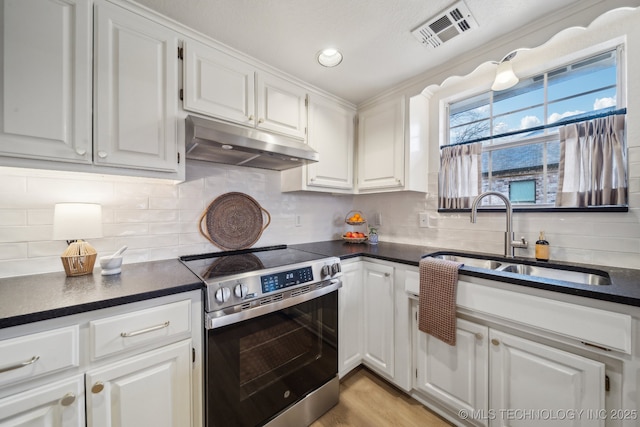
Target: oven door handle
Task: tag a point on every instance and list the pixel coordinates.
(219, 319)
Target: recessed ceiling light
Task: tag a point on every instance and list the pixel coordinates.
(329, 57)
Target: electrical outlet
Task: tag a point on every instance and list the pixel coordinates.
(423, 219)
(377, 219)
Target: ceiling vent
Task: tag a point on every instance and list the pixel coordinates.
(446, 25)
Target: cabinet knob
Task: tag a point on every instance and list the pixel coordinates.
(68, 399)
(102, 154)
(97, 387)
(387, 274)
(479, 336)
(260, 120)
(81, 151)
(251, 118)
(495, 342)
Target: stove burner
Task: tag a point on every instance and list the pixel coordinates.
(233, 264)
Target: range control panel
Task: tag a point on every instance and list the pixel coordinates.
(285, 279)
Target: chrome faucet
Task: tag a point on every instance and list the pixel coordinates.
(509, 243)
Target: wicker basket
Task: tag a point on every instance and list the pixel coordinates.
(79, 258)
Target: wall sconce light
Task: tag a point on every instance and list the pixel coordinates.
(505, 77)
(71, 222)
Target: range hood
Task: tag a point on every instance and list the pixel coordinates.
(218, 142)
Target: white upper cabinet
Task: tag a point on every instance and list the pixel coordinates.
(381, 146)
(220, 85)
(217, 84)
(331, 134)
(281, 105)
(136, 91)
(46, 80)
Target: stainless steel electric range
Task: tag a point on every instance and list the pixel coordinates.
(271, 344)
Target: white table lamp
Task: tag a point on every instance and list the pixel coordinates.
(73, 222)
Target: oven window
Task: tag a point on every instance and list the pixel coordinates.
(258, 367)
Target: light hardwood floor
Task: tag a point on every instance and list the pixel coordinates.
(368, 401)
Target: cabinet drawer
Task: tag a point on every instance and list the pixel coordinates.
(38, 354)
(140, 328)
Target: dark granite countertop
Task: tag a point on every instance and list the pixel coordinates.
(624, 287)
(26, 299)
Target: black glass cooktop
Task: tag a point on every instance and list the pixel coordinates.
(220, 264)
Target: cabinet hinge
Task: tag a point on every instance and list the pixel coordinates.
(181, 94)
(193, 355)
(416, 373)
(607, 383)
(178, 158)
(180, 53)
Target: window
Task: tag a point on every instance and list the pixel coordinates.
(518, 128)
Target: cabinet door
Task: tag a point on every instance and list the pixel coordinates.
(331, 128)
(218, 85)
(152, 389)
(456, 375)
(281, 106)
(528, 375)
(46, 80)
(378, 306)
(381, 146)
(350, 318)
(59, 404)
(136, 91)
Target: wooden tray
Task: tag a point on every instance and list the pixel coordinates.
(234, 221)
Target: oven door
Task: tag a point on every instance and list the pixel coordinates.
(258, 367)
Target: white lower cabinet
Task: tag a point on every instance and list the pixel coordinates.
(494, 378)
(378, 315)
(529, 375)
(456, 375)
(350, 323)
(150, 389)
(147, 370)
(60, 404)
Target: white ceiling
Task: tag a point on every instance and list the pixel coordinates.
(374, 35)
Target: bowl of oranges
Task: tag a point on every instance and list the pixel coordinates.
(354, 237)
(355, 218)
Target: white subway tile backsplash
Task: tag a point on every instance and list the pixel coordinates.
(13, 217)
(159, 220)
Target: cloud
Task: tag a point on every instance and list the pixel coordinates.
(558, 116)
(600, 103)
(529, 121)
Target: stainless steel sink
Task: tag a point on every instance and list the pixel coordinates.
(585, 278)
(471, 262)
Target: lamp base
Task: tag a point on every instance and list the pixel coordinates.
(79, 258)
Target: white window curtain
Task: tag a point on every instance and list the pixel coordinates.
(460, 177)
(592, 170)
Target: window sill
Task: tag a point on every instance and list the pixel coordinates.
(547, 209)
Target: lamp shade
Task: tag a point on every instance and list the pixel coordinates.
(74, 221)
(505, 77)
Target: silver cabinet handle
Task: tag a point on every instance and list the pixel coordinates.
(387, 274)
(479, 336)
(144, 331)
(31, 361)
(495, 342)
(81, 151)
(102, 154)
(251, 118)
(68, 399)
(97, 387)
(260, 120)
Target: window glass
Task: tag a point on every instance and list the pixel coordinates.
(528, 160)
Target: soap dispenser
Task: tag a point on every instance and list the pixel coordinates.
(542, 248)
